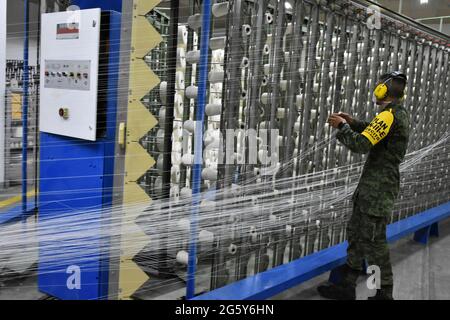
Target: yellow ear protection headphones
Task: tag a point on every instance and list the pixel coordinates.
(382, 90)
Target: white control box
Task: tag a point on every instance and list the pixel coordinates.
(70, 43)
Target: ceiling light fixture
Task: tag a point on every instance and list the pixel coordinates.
(423, 1)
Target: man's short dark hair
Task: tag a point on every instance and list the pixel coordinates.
(397, 88)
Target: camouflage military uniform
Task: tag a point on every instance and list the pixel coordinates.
(386, 140)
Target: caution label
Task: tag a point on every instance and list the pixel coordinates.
(379, 128)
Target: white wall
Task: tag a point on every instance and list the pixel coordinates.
(2, 88)
(15, 50)
(15, 18)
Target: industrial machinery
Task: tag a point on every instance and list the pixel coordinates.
(280, 68)
(79, 64)
(202, 156)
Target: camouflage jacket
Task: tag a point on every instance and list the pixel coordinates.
(386, 140)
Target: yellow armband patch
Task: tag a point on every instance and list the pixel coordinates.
(379, 128)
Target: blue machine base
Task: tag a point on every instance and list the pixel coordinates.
(274, 281)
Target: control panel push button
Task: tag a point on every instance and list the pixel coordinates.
(64, 113)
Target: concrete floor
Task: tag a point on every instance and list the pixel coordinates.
(420, 273)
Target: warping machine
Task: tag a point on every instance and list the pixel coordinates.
(184, 144)
(275, 71)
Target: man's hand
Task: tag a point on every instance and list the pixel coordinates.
(346, 117)
(335, 120)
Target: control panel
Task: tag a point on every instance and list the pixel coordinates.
(70, 73)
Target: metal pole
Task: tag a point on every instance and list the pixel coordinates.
(3, 6)
(25, 108)
(198, 146)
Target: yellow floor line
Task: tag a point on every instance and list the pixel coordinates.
(14, 200)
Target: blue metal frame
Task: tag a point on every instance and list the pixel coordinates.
(25, 106)
(77, 176)
(269, 283)
(198, 145)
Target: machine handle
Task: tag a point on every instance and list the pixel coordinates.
(122, 133)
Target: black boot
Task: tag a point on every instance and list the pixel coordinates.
(345, 289)
(341, 291)
(385, 293)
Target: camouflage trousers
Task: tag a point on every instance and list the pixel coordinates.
(366, 236)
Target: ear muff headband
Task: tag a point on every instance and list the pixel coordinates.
(381, 90)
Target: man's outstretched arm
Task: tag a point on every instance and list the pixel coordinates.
(355, 124)
(376, 131)
(355, 141)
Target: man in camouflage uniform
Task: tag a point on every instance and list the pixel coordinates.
(385, 139)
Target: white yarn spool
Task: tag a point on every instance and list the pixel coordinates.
(179, 80)
(209, 174)
(288, 230)
(267, 69)
(206, 237)
(162, 116)
(193, 56)
(220, 9)
(174, 191)
(187, 159)
(316, 87)
(311, 140)
(298, 100)
(286, 57)
(288, 29)
(217, 43)
(175, 174)
(189, 126)
(184, 225)
(244, 94)
(209, 139)
(186, 193)
(263, 156)
(158, 185)
(245, 62)
(266, 49)
(160, 163)
(195, 21)
(207, 204)
(283, 85)
(297, 127)
(163, 92)
(183, 257)
(281, 112)
(176, 158)
(257, 171)
(268, 18)
(179, 106)
(265, 98)
(191, 92)
(280, 140)
(216, 76)
(246, 30)
(232, 249)
(264, 81)
(160, 139)
(253, 235)
(313, 114)
(212, 109)
(182, 36)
